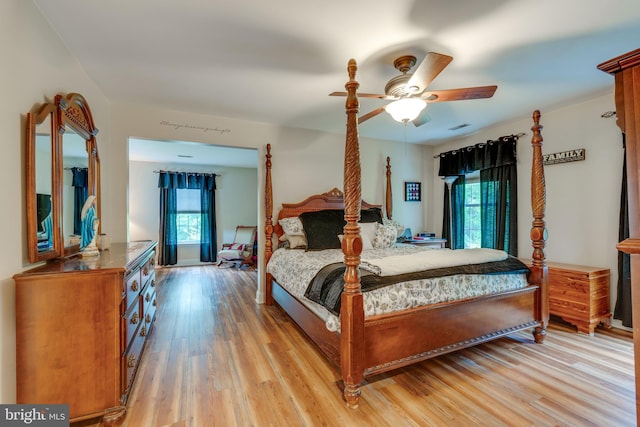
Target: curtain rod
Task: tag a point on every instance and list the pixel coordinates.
(516, 136)
(187, 172)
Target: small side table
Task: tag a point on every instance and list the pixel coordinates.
(435, 243)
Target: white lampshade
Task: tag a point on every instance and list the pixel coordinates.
(406, 109)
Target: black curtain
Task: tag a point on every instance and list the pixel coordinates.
(80, 183)
(497, 163)
(169, 183)
(498, 193)
(454, 209)
(622, 310)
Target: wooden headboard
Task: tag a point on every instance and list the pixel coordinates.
(333, 199)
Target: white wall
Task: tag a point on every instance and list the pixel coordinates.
(583, 197)
(35, 67)
(236, 202)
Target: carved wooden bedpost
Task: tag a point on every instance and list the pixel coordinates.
(352, 310)
(389, 199)
(539, 272)
(268, 224)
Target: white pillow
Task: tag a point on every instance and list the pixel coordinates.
(368, 233)
(366, 242)
(296, 241)
(385, 237)
(292, 226)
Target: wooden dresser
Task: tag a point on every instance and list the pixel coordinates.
(81, 327)
(579, 295)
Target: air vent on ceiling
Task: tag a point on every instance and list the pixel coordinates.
(185, 156)
(464, 125)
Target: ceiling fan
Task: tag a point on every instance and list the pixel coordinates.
(408, 90)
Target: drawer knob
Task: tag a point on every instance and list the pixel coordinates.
(134, 285)
(153, 283)
(145, 271)
(147, 297)
(154, 303)
(131, 363)
(143, 331)
(147, 318)
(134, 318)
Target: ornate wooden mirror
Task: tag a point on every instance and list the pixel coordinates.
(62, 171)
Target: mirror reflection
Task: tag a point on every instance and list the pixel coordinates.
(75, 185)
(43, 185)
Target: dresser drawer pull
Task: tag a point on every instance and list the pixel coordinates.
(131, 363)
(134, 318)
(145, 271)
(143, 331)
(147, 297)
(154, 303)
(147, 318)
(153, 283)
(134, 285)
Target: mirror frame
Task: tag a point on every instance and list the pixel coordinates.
(68, 111)
(47, 110)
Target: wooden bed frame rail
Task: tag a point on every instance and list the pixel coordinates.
(380, 343)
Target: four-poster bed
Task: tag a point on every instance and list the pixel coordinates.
(367, 345)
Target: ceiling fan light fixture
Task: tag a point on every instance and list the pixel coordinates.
(406, 109)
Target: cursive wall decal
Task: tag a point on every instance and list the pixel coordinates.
(178, 126)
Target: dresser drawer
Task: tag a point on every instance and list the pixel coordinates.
(131, 360)
(132, 320)
(147, 270)
(150, 310)
(132, 287)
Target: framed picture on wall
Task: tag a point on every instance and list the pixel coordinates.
(412, 191)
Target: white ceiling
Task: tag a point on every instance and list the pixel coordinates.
(276, 61)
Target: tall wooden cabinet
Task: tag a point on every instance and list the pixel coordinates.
(81, 326)
(626, 70)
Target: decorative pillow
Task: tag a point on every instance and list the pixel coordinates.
(296, 242)
(371, 215)
(321, 228)
(385, 236)
(399, 227)
(292, 226)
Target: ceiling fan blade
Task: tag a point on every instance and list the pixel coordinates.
(478, 92)
(364, 95)
(428, 70)
(422, 119)
(370, 114)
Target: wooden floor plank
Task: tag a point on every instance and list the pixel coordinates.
(216, 358)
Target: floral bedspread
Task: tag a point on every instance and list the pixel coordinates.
(294, 269)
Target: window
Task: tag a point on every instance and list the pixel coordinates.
(472, 212)
(188, 216)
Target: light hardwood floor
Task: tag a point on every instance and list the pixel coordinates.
(216, 358)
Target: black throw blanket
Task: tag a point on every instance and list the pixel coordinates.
(326, 287)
